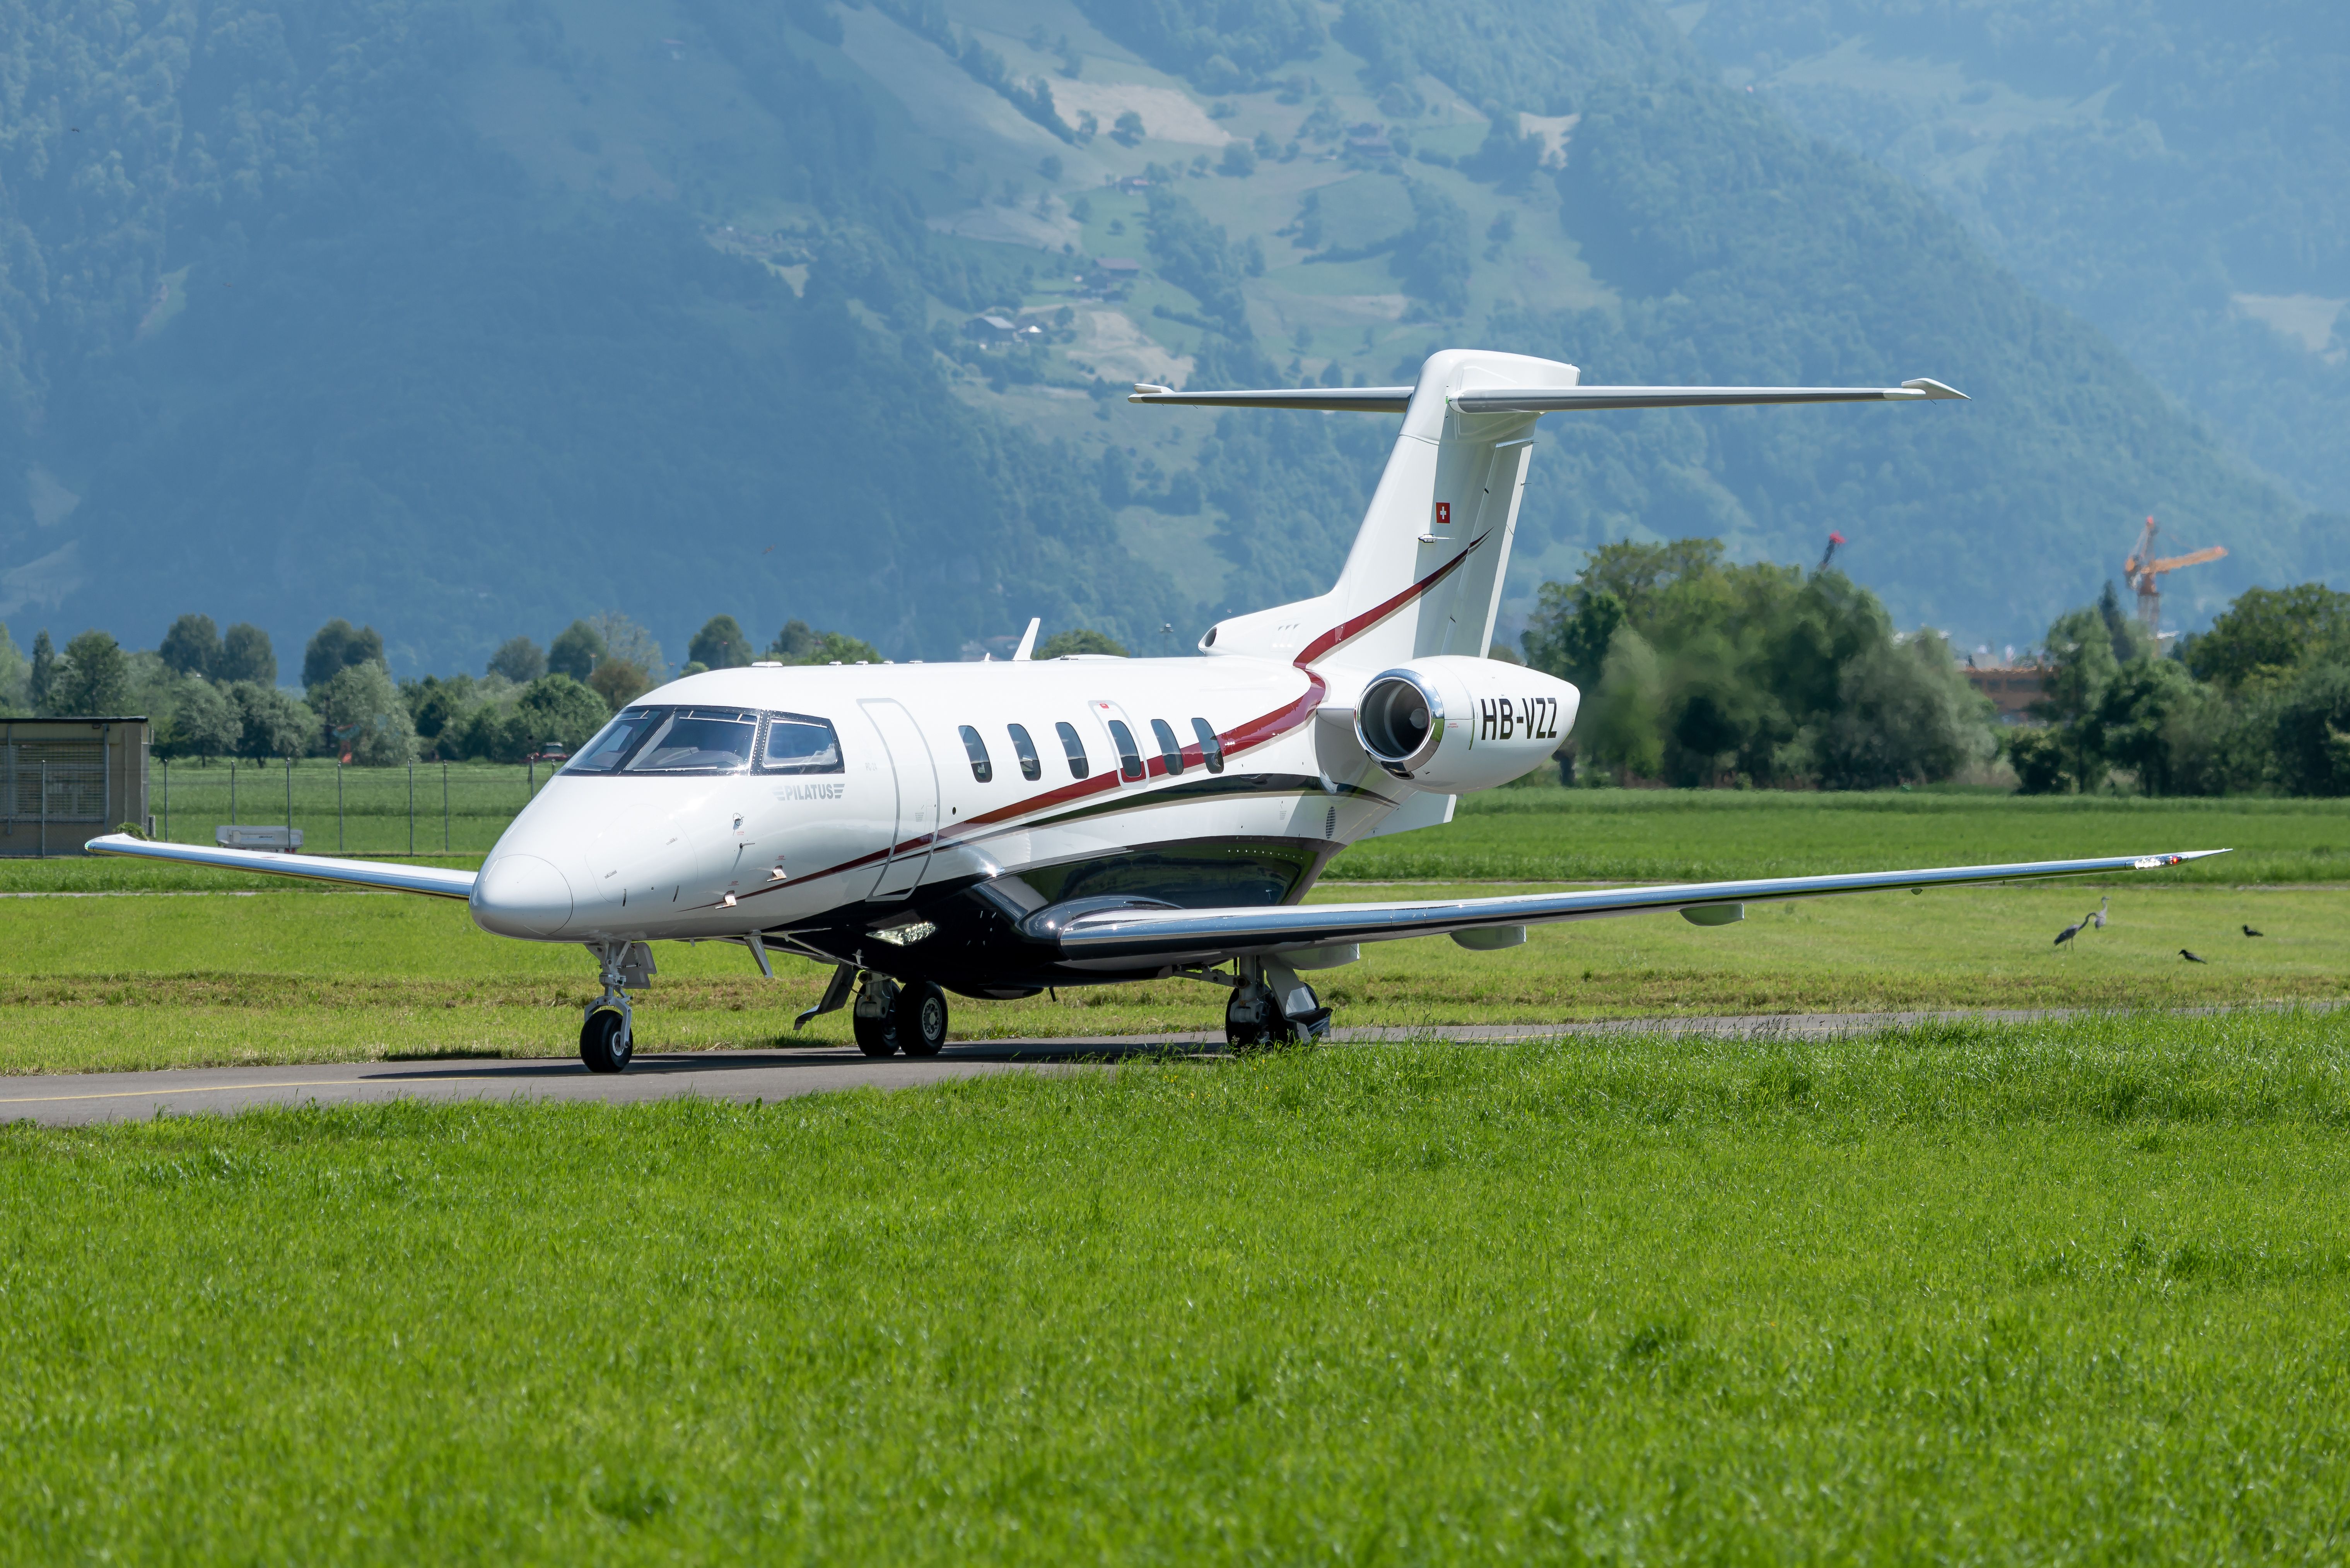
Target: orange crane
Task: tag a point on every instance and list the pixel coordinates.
(2144, 573)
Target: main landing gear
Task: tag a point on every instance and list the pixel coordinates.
(608, 1034)
(1271, 1006)
(890, 1017)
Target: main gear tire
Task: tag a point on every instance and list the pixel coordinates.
(874, 1019)
(921, 1017)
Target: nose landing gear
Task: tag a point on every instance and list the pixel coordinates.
(890, 1017)
(607, 1035)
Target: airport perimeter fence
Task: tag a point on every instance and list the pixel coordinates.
(432, 808)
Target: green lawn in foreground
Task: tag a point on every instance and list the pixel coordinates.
(183, 979)
(2076, 1292)
(1546, 834)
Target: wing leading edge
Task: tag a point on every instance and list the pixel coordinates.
(1127, 934)
(432, 881)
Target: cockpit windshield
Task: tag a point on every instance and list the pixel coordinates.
(614, 741)
(671, 741)
(709, 741)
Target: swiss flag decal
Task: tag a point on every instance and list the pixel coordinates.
(1443, 513)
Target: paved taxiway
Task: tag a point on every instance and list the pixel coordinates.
(72, 1099)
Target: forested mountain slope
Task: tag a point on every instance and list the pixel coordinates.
(2177, 171)
(464, 319)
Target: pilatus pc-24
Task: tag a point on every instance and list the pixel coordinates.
(991, 830)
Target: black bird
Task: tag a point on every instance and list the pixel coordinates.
(2069, 932)
(2250, 932)
(2192, 958)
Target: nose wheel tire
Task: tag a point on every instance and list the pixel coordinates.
(605, 1041)
(874, 1019)
(922, 1019)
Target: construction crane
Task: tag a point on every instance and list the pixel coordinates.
(2143, 572)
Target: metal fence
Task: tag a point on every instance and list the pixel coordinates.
(432, 808)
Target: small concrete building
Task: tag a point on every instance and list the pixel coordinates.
(66, 781)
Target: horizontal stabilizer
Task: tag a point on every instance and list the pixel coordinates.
(1541, 399)
(1328, 400)
(432, 881)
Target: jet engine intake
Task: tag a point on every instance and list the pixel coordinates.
(1450, 724)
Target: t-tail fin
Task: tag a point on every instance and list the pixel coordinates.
(1426, 572)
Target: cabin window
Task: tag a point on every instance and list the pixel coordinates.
(1024, 748)
(1129, 757)
(696, 740)
(1209, 747)
(1076, 748)
(1169, 748)
(799, 744)
(614, 741)
(976, 750)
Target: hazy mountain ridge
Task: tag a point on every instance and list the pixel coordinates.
(464, 321)
(2175, 171)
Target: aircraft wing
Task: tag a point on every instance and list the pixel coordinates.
(1122, 935)
(430, 881)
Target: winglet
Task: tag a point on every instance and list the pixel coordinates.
(1934, 388)
(1027, 649)
(1147, 389)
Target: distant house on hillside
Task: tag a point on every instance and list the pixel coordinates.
(990, 329)
(1112, 277)
(1370, 139)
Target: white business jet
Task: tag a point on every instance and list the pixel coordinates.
(995, 828)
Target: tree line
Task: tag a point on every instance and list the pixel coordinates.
(1698, 672)
(210, 694)
(2258, 704)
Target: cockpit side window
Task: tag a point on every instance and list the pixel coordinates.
(696, 740)
(615, 741)
(800, 743)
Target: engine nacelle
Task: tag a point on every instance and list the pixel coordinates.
(1452, 724)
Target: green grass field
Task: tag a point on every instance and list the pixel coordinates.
(2060, 1292)
(210, 975)
(186, 979)
(1547, 834)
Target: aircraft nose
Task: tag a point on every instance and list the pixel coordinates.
(522, 895)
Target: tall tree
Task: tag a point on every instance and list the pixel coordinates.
(334, 648)
(44, 677)
(575, 650)
(719, 644)
(245, 655)
(193, 645)
(93, 678)
(519, 660)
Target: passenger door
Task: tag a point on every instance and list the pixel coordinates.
(917, 777)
